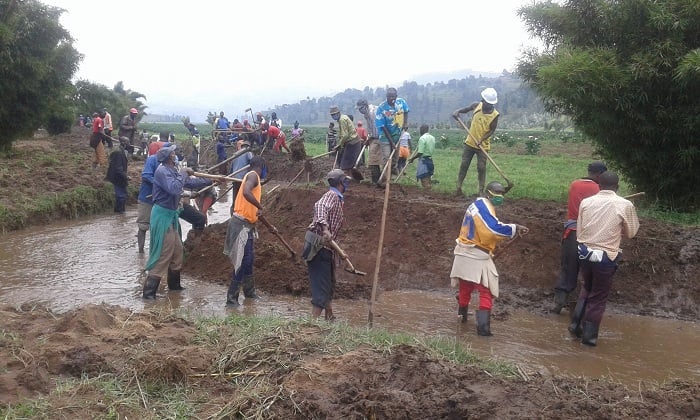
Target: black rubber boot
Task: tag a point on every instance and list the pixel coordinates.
(375, 172)
(174, 281)
(462, 311)
(249, 287)
(590, 333)
(576, 316)
(141, 235)
(483, 322)
(560, 298)
(232, 298)
(150, 287)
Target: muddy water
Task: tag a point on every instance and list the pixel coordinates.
(94, 260)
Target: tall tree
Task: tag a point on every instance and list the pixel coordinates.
(628, 75)
(37, 62)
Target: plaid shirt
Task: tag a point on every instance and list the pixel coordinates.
(328, 210)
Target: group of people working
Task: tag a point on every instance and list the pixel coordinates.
(597, 219)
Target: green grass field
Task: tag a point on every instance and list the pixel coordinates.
(540, 164)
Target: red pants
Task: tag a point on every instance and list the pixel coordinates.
(465, 294)
(281, 142)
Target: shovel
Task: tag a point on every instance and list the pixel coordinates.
(349, 267)
(510, 183)
(276, 233)
(356, 174)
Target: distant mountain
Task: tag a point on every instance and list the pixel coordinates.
(424, 79)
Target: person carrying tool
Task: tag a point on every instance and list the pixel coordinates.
(370, 139)
(107, 119)
(96, 137)
(280, 139)
(426, 148)
(349, 143)
(127, 128)
(602, 220)
(569, 262)
(318, 253)
(239, 163)
(483, 125)
(391, 120)
(166, 251)
(239, 244)
(473, 266)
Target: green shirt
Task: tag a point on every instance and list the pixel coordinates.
(426, 145)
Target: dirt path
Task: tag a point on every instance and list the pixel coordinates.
(657, 277)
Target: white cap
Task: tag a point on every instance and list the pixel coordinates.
(490, 95)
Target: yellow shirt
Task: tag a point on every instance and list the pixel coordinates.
(242, 206)
(481, 124)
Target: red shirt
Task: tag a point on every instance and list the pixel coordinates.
(154, 147)
(97, 125)
(273, 131)
(361, 132)
(578, 190)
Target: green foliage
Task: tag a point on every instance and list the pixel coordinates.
(532, 145)
(38, 61)
(627, 73)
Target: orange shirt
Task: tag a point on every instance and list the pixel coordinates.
(242, 206)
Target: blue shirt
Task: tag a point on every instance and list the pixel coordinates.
(240, 162)
(221, 151)
(149, 169)
(168, 185)
(391, 117)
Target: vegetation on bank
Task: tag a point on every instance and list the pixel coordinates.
(540, 163)
(254, 354)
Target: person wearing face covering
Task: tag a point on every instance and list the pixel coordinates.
(473, 267)
(318, 252)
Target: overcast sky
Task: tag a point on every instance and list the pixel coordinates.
(210, 54)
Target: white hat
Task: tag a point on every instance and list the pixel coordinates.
(490, 95)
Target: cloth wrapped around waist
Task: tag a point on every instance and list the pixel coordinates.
(313, 243)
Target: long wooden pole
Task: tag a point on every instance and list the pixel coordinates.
(375, 281)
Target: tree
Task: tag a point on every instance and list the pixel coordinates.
(628, 75)
(37, 62)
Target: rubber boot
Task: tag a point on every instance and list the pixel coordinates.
(249, 287)
(576, 316)
(174, 281)
(483, 322)
(462, 311)
(560, 298)
(375, 172)
(425, 183)
(141, 235)
(150, 287)
(590, 333)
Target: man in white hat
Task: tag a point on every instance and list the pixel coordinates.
(483, 125)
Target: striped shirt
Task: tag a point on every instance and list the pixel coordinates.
(603, 219)
(328, 211)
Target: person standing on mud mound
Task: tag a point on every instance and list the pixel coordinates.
(426, 148)
(107, 119)
(318, 253)
(117, 174)
(483, 125)
(602, 220)
(391, 120)
(473, 266)
(349, 143)
(166, 250)
(371, 139)
(568, 274)
(239, 244)
(127, 128)
(96, 137)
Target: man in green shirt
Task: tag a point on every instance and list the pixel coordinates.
(426, 147)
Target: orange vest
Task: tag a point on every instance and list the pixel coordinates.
(242, 206)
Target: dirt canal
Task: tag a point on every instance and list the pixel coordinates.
(94, 260)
